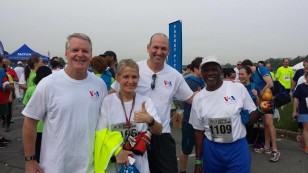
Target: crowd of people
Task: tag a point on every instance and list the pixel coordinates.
(96, 113)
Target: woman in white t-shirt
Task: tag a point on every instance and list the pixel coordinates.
(130, 113)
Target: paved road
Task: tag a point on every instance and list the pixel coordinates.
(293, 160)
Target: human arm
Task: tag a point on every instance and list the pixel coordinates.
(199, 134)
(268, 83)
(295, 107)
(29, 138)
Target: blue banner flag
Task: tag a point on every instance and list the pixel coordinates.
(1, 49)
(175, 43)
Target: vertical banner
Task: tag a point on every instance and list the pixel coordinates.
(1, 49)
(175, 43)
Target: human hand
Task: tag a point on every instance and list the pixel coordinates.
(254, 92)
(294, 115)
(32, 166)
(142, 116)
(122, 157)
(198, 168)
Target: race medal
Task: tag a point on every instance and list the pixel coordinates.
(221, 129)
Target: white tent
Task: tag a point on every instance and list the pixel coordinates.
(298, 66)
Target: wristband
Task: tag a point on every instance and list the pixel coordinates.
(258, 108)
(151, 123)
(29, 158)
(198, 161)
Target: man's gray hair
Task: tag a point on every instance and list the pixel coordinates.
(80, 36)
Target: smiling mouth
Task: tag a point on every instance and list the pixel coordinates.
(79, 60)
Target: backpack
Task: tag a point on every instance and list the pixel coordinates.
(281, 96)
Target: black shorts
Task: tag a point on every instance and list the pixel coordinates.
(4, 110)
(188, 138)
(162, 154)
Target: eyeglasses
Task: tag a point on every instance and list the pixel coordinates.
(153, 83)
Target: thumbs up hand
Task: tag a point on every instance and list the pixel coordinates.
(142, 116)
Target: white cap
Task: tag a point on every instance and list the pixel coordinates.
(19, 62)
(209, 59)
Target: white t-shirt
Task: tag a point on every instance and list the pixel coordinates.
(70, 110)
(300, 81)
(113, 117)
(223, 106)
(19, 71)
(22, 79)
(169, 85)
(237, 71)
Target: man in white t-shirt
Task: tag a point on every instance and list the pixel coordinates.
(221, 143)
(162, 84)
(69, 103)
(19, 71)
(237, 70)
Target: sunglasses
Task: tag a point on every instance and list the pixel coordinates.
(153, 83)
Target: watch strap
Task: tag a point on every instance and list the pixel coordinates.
(29, 158)
(151, 123)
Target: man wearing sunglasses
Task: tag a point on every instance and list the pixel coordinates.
(162, 84)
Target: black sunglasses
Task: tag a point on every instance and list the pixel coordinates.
(153, 83)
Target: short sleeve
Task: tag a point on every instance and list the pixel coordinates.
(194, 117)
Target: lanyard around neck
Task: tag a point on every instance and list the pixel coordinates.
(131, 111)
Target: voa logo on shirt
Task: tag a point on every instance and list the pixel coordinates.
(229, 99)
(168, 83)
(94, 94)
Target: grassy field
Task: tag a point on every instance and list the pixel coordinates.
(286, 121)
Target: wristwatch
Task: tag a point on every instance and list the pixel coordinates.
(151, 123)
(29, 158)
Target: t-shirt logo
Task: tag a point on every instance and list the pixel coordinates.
(167, 83)
(94, 94)
(229, 99)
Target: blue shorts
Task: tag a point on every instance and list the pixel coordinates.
(188, 138)
(226, 157)
(303, 118)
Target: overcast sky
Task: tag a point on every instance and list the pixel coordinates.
(230, 29)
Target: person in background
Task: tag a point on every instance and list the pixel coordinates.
(300, 109)
(26, 80)
(188, 70)
(12, 78)
(263, 80)
(269, 67)
(19, 71)
(162, 84)
(98, 65)
(237, 69)
(195, 83)
(298, 74)
(261, 63)
(68, 141)
(41, 72)
(254, 92)
(129, 113)
(285, 75)
(229, 74)
(109, 74)
(221, 143)
(5, 89)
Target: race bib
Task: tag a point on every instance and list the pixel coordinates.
(123, 128)
(221, 129)
(286, 78)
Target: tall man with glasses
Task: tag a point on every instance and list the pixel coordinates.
(162, 84)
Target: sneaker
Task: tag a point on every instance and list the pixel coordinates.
(258, 148)
(267, 150)
(4, 141)
(306, 149)
(2, 145)
(275, 155)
